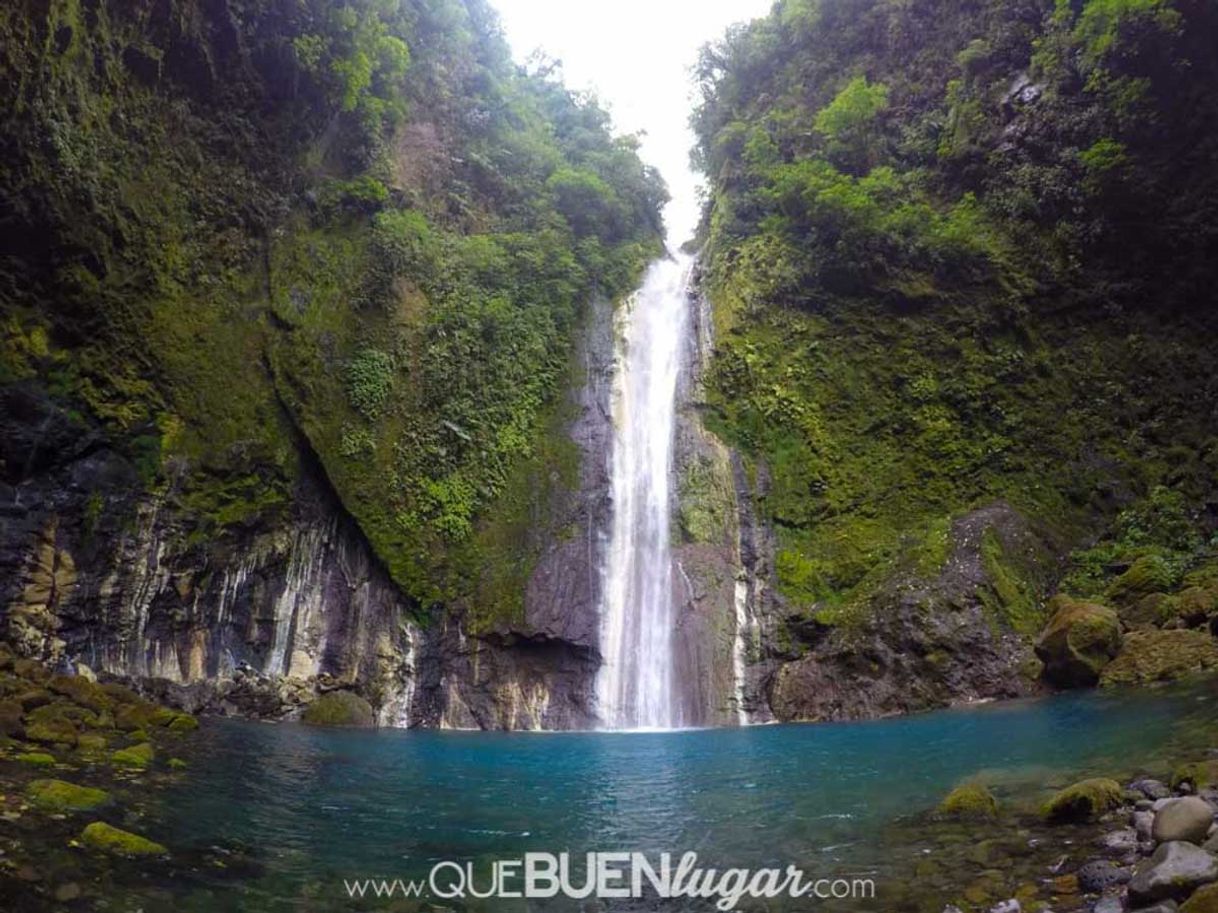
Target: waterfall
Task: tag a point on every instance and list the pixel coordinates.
(635, 687)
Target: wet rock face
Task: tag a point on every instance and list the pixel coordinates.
(927, 643)
(1174, 871)
(260, 620)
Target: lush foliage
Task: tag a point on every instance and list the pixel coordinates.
(958, 253)
(248, 240)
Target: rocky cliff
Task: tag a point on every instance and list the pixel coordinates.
(306, 323)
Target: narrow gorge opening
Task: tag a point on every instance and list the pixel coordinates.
(636, 686)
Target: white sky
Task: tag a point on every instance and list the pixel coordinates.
(636, 55)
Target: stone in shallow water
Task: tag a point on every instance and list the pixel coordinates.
(1118, 843)
(1109, 904)
(1151, 789)
(1188, 819)
(102, 836)
(1099, 874)
(1174, 871)
(1083, 801)
(59, 795)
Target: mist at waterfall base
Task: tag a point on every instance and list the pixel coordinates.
(315, 806)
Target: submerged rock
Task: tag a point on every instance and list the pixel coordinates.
(1083, 801)
(970, 800)
(1188, 819)
(60, 795)
(1174, 871)
(108, 839)
(1151, 789)
(339, 708)
(1079, 641)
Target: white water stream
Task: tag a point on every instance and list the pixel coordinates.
(635, 687)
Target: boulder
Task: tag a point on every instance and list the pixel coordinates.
(140, 756)
(1159, 656)
(970, 800)
(1174, 871)
(1100, 874)
(1083, 801)
(61, 796)
(108, 839)
(1080, 639)
(339, 708)
(1151, 789)
(1205, 900)
(1187, 819)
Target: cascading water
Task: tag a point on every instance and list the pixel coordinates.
(635, 687)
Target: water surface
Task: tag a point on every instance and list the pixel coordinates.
(317, 806)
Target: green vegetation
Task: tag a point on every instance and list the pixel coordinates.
(934, 285)
(384, 279)
(110, 839)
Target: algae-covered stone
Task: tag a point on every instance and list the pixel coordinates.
(80, 690)
(970, 800)
(52, 730)
(1148, 574)
(177, 764)
(1083, 801)
(1159, 656)
(1080, 639)
(10, 719)
(91, 741)
(140, 755)
(108, 839)
(1199, 774)
(1205, 900)
(339, 708)
(60, 795)
(36, 758)
(183, 722)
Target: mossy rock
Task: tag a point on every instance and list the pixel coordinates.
(1196, 603)
(92, 741)
(62, 796)
(970, 800)
(339, 708)
(81, 691)
(119, 694)
(130, 717)
(56, 730)
(183, 722)
(1200, 774)
(1148, 574)
(140, 755)
(1161, 656)
(177, 764)
(36, 758)
(1204, 900)
(11, 713)
(34, 698)
(1080, 639)
(108, 839)
(31, 670)
(1083, 801)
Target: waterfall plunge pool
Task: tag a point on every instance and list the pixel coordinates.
(310, 807)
